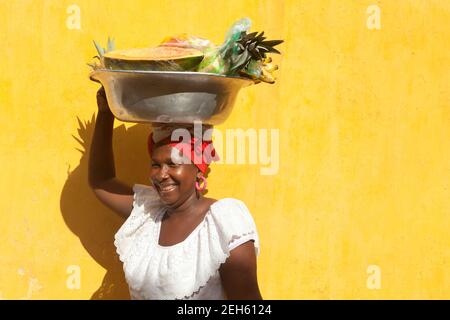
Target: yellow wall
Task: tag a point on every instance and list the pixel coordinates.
(364, 126)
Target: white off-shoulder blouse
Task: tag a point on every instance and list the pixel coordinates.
(186, 270)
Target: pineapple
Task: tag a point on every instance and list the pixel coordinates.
(250, 57)
(252, 47)
(245, 56)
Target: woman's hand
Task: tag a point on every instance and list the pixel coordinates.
(102, 103)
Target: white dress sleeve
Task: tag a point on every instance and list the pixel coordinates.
(235, 224)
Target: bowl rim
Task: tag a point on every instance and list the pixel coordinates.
(183, 73)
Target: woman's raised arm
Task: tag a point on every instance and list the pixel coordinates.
(115, 194)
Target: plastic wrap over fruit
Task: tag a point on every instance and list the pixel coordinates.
(185, 40)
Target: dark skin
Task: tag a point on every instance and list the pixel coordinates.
(175, 183)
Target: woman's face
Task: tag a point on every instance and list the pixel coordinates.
(174, 182)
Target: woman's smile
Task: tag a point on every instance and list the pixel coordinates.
(166, 188)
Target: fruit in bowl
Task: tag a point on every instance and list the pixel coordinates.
(185, 78)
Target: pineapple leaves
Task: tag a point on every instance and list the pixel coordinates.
(271, 43)
(100, 50)
(260, 37)
(251, 47)
(273, 50)
(249, 36)
(109, 47)
(240, 61)
(110, 44)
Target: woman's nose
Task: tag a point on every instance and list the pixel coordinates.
(164, 171)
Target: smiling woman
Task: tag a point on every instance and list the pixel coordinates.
(175, 243)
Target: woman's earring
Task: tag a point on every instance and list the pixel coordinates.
(203, 187)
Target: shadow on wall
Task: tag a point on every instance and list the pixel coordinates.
(88, 218)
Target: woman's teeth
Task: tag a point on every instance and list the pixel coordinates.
(167, 189)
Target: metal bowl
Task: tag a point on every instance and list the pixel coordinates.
(169, 96)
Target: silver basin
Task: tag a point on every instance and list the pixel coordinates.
(169, 96)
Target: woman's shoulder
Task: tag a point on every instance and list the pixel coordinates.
(231, 204)
(233, 222)
(232, 212)
(146, 199)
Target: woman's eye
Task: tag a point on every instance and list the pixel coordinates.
(154, 165)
